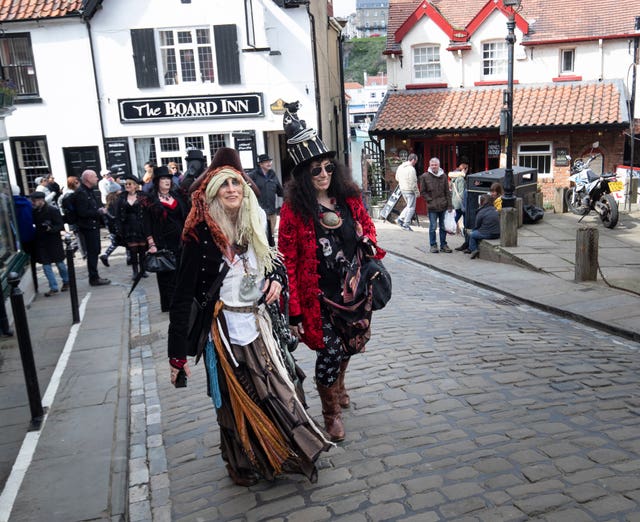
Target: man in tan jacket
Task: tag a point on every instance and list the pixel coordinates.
(408, 182)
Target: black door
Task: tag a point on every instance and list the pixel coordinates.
(79, 159)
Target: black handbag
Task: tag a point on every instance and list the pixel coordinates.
(161, 261)
(376, 274)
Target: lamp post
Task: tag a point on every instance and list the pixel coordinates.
(509, 198)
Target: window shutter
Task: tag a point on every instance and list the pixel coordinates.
(144, 58)
(227, 53)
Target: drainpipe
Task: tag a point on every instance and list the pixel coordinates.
(95, 79)
(343, 108)
(312, 21)
(601, 49)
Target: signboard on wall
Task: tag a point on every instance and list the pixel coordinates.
(191, 107)
(117, 153)
(245, 144)
(493, 149)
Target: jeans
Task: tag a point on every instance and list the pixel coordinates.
(407, 213)
(439, 217)
(476, 236)
(62, 270)
(92, 242)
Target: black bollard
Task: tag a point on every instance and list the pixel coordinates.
(26, 351)
(73, 289)
(5, 328)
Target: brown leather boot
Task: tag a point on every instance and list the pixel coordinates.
(331, 411)
(343, 397)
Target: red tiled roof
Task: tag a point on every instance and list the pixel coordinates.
(548, 105)
(16, 10)
(352, 85)
(549, 20)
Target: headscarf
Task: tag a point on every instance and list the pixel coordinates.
(254, 234)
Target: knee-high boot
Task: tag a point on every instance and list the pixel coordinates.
(331, 411)
(343, 397)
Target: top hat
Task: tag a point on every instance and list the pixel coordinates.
(161, 172)
(264, 157)
(303, 144)
(194, 154)
(132, 177)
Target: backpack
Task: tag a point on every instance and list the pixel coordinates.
(69, 209)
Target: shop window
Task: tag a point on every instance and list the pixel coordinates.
(494, 59)
(216, 141)
(144, 150)
(169, 144)
(194, 142)
(567, 61)
(32, 160)
(537, 156)
(426, 62)
(186, 55)
(16, 59)
(162, 150)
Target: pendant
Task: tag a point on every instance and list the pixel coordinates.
(330, 220)
(249, 290)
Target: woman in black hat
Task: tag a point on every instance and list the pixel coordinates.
(129, 219)
(323, 223)
(164, 215)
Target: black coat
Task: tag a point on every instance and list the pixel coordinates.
(269, 187)
(48, 243)
(165, 226)
(200, 265)
(87, 205)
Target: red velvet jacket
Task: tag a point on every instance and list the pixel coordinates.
(297, 243)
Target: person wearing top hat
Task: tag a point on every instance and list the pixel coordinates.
(195, 166)
(47, 247)
(164, 212)
(322, 223)
(128, 218)
(267, 182)
(265, 429)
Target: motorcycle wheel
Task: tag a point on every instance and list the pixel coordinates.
(574, 202)
(610, 216)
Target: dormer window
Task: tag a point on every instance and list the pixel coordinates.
(426, 62)
(494, 59)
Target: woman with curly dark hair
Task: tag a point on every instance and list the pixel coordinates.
(324, 228)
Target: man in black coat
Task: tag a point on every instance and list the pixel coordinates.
(89, 214)
(47, 245)
(269, 186)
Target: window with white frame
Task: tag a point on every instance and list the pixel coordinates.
(187, 55)
(494, 59)
(567, 61)
(537, 156)
(426, 62)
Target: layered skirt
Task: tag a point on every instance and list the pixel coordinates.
(264, 426)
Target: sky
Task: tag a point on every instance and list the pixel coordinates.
(343, 8)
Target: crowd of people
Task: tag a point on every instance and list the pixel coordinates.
(242, 292)
(447, 194)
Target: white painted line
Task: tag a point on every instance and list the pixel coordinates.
(30, 442)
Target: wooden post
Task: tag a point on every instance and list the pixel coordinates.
(634, 190)
(519, 205)
(508, 227)
(559, 200)
(586, 254)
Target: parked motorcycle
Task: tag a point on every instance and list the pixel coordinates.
(590, 191)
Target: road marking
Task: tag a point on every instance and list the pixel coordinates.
(30, 442)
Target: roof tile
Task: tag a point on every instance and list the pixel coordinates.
(534, 106)
(16, 10)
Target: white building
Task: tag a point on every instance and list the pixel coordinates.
(122, 82)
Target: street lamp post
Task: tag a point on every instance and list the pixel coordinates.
(509, 197)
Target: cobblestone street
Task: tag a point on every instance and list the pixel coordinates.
(465, 406)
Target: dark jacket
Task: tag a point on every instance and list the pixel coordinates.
(488, 221)
(165, 227)
(47, 246)
(269, 187)
(24, 216)
(87, 205)
(435, 191)
(199, 266)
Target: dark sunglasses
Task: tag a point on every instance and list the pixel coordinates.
(329, 168)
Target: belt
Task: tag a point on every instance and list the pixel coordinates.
(240, 309)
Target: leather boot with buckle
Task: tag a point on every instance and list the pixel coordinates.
(331, 411)
(343, 396)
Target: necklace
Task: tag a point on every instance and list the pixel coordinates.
(249, 290)
(329, 219)
(164, 197)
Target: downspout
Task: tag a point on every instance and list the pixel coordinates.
(601, 48)
(316, 80)
(95, 80)
(343, 96)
